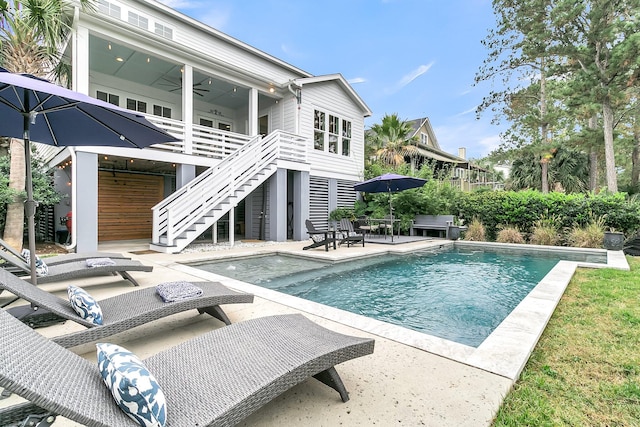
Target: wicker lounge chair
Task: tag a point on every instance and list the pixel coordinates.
(216, 379)
(73, 269)
(120, 312)
(60, 259)
(320, 237)
(349, 235)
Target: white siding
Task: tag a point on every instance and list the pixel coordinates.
(330, 98)
(198, 39)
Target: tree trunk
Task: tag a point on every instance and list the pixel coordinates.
(635, 156)
(544, 131)
(593, 157)
(14, 224)
(609, 155)
(545, 175)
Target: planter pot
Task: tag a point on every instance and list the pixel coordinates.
(453, 233)
(613, 241)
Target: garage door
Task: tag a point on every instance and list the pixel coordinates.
(124, 205)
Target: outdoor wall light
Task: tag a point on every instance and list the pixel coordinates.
(272, 89)
(119, 59)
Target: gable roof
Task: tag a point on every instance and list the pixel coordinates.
(342, 82)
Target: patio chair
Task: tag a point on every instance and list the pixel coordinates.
(349, 235)
(62, 259)
(74, 269)
(120, 313)
(216, 379)
(320, 237)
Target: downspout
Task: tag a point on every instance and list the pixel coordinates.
(74, 221)
(297, 93)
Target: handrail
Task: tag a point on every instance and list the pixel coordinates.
(178, 212)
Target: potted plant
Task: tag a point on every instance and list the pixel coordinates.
(613, 240)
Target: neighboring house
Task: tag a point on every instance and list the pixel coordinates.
(263, 144)
(464, 174)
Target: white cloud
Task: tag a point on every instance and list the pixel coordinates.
(408, 78)
(465, 112)
(356, 80)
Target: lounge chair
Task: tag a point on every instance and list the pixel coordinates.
(349, 235)
(320, 237)
(216, 379)
(75, 269)
(62, 259)
(120, 312)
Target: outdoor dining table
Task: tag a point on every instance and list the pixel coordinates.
(387, 223)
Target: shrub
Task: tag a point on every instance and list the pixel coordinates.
(509, 234)
(475, 231)
(545, 232)
(589, 236)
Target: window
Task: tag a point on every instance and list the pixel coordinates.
(319, 130)
(108, 97)
(206, 122)
(334, 134)
(135, 105)
(334, 128)
(109, 8)
(164, 31)
(224, 126)
(424, 138)
(159, 110)
(346, 138)
(138, 21)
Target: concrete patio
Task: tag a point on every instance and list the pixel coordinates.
(411, 379)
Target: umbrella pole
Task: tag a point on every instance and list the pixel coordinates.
(390, 212)
(29, 204)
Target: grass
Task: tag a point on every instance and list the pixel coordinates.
(585, 370)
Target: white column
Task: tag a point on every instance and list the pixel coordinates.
(232, 225)
(187, 107)
(80, 60)
(253, 112)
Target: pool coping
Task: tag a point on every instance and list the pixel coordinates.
(505, 352)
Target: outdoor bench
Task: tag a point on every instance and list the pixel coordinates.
(440, 223)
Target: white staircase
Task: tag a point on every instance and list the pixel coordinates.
(192, 209)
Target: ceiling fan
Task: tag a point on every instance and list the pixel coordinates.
(177, 85)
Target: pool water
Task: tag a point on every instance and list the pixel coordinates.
(460, 295)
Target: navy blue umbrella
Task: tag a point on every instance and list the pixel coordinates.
(36, 110)
(389, 183)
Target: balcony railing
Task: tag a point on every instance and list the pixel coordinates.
(205, 142)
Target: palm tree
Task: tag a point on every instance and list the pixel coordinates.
(31, 32)
(391, 142)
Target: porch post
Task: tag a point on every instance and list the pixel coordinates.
(253, 112)
(80, 60)
(85, 216)
(300, 204)
(187, 107)
(278, 206)
(184, 174)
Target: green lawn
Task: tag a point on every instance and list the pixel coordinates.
(585, 370)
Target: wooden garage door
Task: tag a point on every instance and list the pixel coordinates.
(124, 204)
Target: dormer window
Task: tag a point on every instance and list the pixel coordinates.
(109, 8)
(138, 20)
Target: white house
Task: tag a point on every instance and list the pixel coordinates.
(263, 144)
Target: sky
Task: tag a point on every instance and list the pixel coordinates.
(415, 58)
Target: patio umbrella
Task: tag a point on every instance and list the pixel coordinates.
(36, 110)
(389, 183)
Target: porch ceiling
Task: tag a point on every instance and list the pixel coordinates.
(129, 64)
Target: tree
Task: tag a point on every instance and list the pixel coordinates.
(391, 142)
(31, 32)
(518, 51)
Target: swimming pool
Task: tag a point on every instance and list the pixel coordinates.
(460, 295)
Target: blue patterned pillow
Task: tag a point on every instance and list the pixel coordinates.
(41, 268)
(84, 304)
(133, 387)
